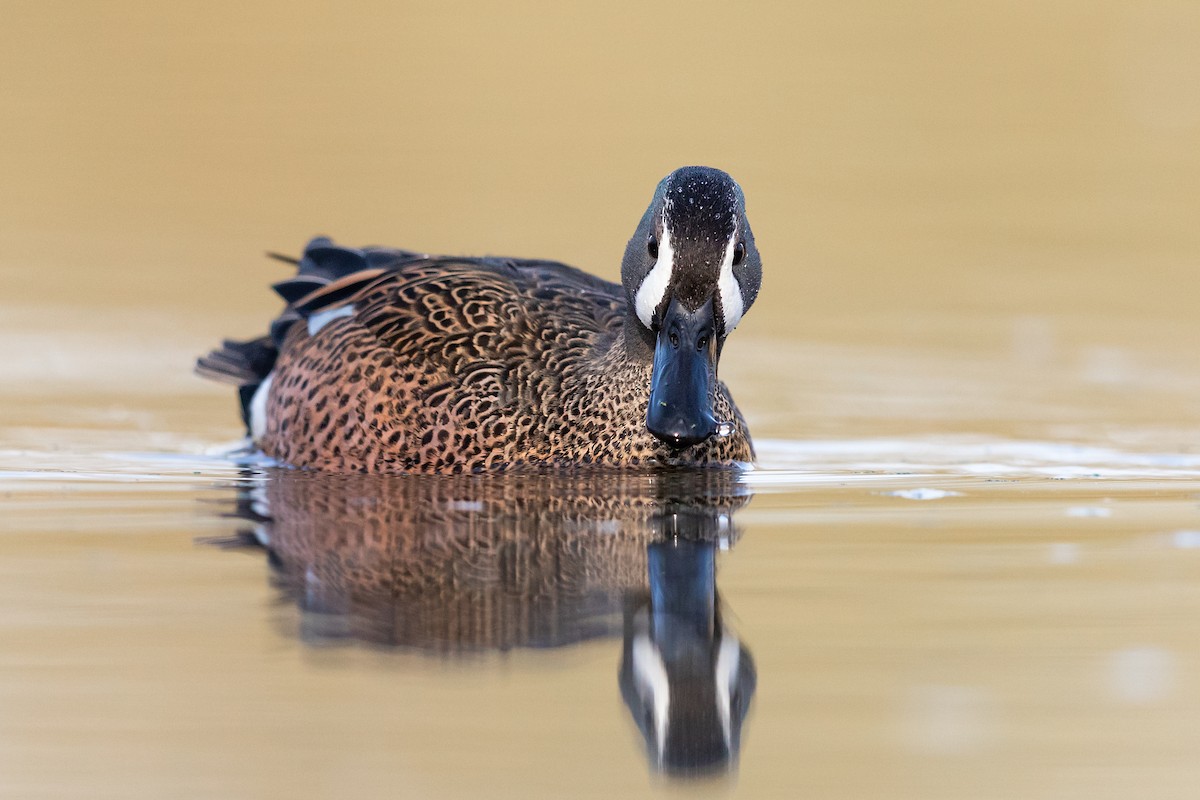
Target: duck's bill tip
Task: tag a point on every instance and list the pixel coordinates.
(680, 409)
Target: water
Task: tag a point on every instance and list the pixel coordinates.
(937, 614)
(965, 564)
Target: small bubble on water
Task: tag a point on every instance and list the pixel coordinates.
(724, 429)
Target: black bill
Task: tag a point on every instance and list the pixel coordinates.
(685, 367)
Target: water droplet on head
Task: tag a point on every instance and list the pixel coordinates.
(724, 429)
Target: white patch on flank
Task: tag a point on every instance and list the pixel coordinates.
(258, 409)
(654, 287)
(323, 318)
(728, 661)
(651, 675)
(729, 288)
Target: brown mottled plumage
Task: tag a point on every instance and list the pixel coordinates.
(393, 361)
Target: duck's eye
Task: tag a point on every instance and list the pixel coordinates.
(652, 246)
(739, 252)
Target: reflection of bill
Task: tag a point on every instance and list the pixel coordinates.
(686, 678)
(466, 564)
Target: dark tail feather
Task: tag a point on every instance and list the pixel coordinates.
(295, 262)
(239, 363)
(326, 273)
(244, 364)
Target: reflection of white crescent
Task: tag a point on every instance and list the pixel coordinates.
(728, 661)
(652, 682)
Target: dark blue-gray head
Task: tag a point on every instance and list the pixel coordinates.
(691, 271)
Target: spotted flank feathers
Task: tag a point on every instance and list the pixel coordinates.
(388, 360)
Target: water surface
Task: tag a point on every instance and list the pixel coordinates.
(938, 615)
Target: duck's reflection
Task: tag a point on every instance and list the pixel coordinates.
(686, 678)
(451, 565)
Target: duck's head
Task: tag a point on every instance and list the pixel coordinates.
(691, 271)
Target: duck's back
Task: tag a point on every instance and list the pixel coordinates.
(437, 365)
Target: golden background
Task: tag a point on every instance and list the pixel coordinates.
(975, 157)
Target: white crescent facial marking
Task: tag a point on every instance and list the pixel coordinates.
(653, 685)
(654, 286)
(729, 288)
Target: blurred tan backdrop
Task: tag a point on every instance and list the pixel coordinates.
(899, 158)
(980, 222)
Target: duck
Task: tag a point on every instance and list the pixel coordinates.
(387, 360)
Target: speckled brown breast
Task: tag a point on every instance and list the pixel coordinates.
(449, 366)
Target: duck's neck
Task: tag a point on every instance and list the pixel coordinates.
(639, 341)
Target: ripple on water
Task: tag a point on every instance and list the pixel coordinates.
(973, 456)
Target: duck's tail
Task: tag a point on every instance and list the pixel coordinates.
(244, 364)
(324, 274)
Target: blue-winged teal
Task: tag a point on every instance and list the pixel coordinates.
(388, 360)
